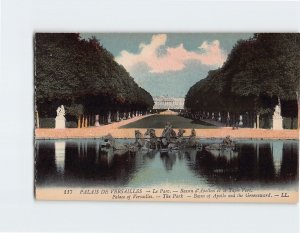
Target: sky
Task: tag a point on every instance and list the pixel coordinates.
(168, 64)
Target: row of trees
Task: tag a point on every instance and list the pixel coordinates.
(257, 73)
(83, 76)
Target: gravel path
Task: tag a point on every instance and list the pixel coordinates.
(117, 132)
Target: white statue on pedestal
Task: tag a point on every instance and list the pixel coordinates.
(97, 124)
(118, 116)
(60, 120)
(277, 111)
(277, 118)
(109, 117)
(241, 121)
(60, 111)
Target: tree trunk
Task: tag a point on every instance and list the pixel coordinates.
(79, 121)
(257, 121)
(86, 122)
(37, 120)
(82, 122)
(298, 102)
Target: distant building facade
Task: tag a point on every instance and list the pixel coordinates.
(165, 102)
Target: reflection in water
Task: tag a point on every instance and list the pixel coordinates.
(105, 157)
(168, 159)
(191, 154)
(87, 163)
(60, 151)
(247, 162)
(277, 150)
(266, 168)
(289, 165)
(93, 165)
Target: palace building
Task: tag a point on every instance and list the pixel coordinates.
(166, 102)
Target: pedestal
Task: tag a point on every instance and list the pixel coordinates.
(60, 122)
(97, 124)
(277, 122)
(241, 121)
(109, 118)
(117, 116)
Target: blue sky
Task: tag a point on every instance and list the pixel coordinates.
(168, 63)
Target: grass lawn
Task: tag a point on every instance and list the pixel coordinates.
(159, 121)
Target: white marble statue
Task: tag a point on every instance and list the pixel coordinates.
(60, 111)
(97, 124)
(277, 111)
(117, 116)
(109, 117)
(277, 118)
(60, 120)
(241, 121)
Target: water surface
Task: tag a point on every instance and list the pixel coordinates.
(84, 163)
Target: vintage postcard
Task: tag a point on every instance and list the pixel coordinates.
(174, 117)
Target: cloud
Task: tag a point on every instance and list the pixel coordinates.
(159, 58)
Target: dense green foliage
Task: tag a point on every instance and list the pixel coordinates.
(83, 76)
(256, 73)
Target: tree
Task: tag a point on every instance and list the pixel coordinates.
(256, 73)
(82, 75)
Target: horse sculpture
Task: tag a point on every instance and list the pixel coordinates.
(192, 141)
(180, 133)
(154, 142)
(181, 141)
(139, 139)
(118, 148)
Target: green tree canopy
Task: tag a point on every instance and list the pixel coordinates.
(82, 75)
(256, 73)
